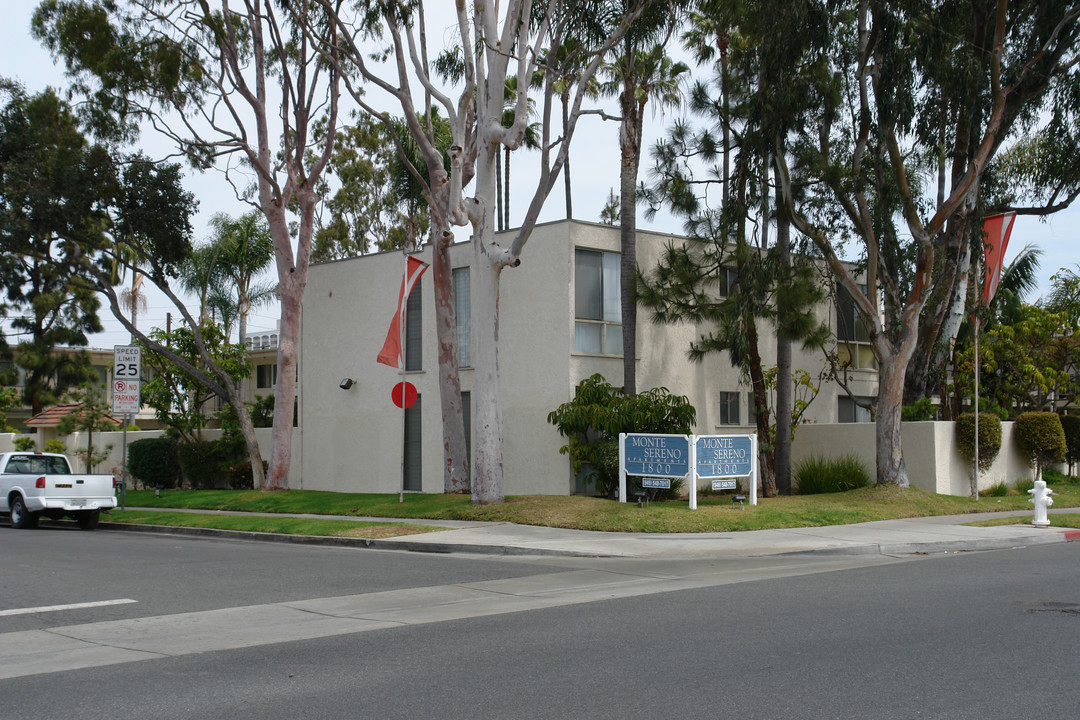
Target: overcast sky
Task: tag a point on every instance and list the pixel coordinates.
(594, 163)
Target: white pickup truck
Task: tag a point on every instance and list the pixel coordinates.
(33, 484)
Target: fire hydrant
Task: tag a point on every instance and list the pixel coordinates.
(1041, 498)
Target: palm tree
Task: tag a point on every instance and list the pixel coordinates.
(134, 299)
(198, 274)
(531, 140)
(245, 250)
(639, 72)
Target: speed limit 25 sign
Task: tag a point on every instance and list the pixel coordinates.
(127, 362)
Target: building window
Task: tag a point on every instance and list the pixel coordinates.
(413, 480)
(849, 411)
(597, 303)
(853, 340)
(466, 419)
(729, 408)
(726, 281)
(265, 376)
(414, 328)
(751, 410)
(462, 315)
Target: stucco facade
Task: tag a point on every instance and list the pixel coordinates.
(352, 438)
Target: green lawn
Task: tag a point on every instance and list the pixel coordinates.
(1062, 520)
(714, 513)
(260, 523)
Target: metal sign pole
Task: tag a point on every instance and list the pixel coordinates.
(123, 463)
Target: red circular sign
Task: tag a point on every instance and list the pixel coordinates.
(410, 394)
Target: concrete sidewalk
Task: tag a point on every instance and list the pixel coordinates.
(884, 537)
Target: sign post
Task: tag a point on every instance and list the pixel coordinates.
(126, 397)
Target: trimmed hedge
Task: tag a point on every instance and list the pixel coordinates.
(202, 463)
(153, 461)
(989, 438)
(1041, 437)
(1070, 424)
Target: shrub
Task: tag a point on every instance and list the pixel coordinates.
(820, 474)
(1024, 484)
(203, 463)
(918, 411)
(989, 438)
(1053, 477)
(153, 461)
(55, 446)
(1070, 424)
(25, 443)
(1041, 438)
(1000, 489)
(592, 421)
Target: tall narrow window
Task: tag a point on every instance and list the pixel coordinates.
(853, 340)
(462, 315)
(413, 448)
(466, 419)
(414, 327)
(597, 303)
(726, 281)
(729, 408)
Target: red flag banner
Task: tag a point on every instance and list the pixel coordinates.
(996, 230)
(391, 353)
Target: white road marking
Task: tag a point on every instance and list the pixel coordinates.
(72, 606)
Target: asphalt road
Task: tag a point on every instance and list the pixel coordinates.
(979, 635)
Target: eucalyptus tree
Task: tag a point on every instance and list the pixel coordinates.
(241, 86)
(496, 41)
(894, 77)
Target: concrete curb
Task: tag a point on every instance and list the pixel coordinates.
(369, 543)
(942, 547)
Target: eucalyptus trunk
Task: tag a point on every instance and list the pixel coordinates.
(455, 455)
(784, 390)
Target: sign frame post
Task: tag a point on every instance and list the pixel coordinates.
(126, 398)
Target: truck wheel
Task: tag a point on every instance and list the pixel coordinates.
(22, 518)
(88, 520)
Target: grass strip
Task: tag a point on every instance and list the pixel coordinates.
(714, 513)
(279, 525)
(1061, 520)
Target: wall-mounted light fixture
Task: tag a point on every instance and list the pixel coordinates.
(346, 383)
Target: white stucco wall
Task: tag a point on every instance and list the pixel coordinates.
(930, 453)
(352, 440)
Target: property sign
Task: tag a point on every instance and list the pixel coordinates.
(724, 456)
(127, 369)
(660, 455)
(725, 484)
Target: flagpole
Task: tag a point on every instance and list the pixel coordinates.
(977, 363)
(404, 346)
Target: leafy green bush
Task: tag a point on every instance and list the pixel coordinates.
(819, 474)
(25, 443)
(1053, 477)
(55, 446)
(203, 463)
(153, 461)
(593, 420)
(1024, 484)
(918, 411)
(989, 438)
(1070, 424)
(1000, 489)
(1041, 438)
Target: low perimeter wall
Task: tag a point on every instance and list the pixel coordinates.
(115, 442)
(930, 453)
